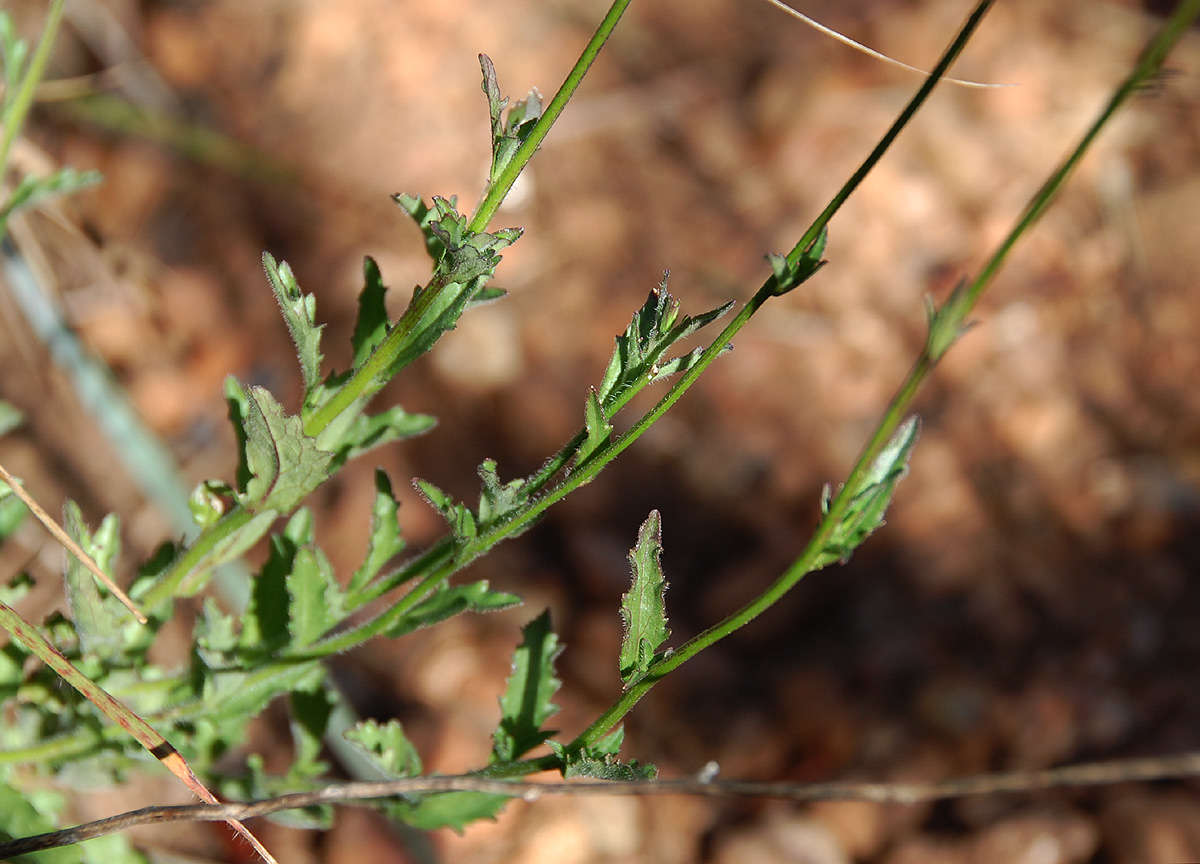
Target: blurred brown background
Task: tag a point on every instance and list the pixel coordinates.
(1032, 601)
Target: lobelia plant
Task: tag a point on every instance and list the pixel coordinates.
(300, 613)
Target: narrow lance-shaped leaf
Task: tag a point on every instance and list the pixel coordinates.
(598, 428)
(385, 542)
(526, 704)
(371, 325)
(643, 610)
(870, 501)
(97, 621)
(299, 312)
(316, 602)
(449, 601)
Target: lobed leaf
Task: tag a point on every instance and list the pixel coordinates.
(387, 747)
(497, 500)
(525, 704)
(637, 359)
(459, 516)
(643, 610)
(522, 117)
(283, 464)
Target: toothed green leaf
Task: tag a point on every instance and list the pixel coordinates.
(498, 499)
(526, 704)
(284, 464)
(299, 312)
(387, 747)
(600, 762)
(459, 516)
(368, 431)
(385, 542)
(870, 502)
(522, 117)
(98, 621)
(638, 358)
(643, 611)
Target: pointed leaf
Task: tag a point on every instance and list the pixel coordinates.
(385, 542)
(638, 358)
(598, 428)
(526, 704)
(368, 431)
(299, 311)
(96, 618)
(265, 623)
(449, 601)
(643, 611)
(371, 325)
(316, 598)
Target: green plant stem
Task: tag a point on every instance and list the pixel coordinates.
(498, 190)
(14, 117)
(1150, 61)
(164, 588)
(810, 236)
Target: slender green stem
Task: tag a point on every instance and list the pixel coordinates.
(498, 190)
(14, 117)
(960, 307)
(964, 35)
(164, 588)
(370, 377)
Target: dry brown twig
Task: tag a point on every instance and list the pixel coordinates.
(1086, 774)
